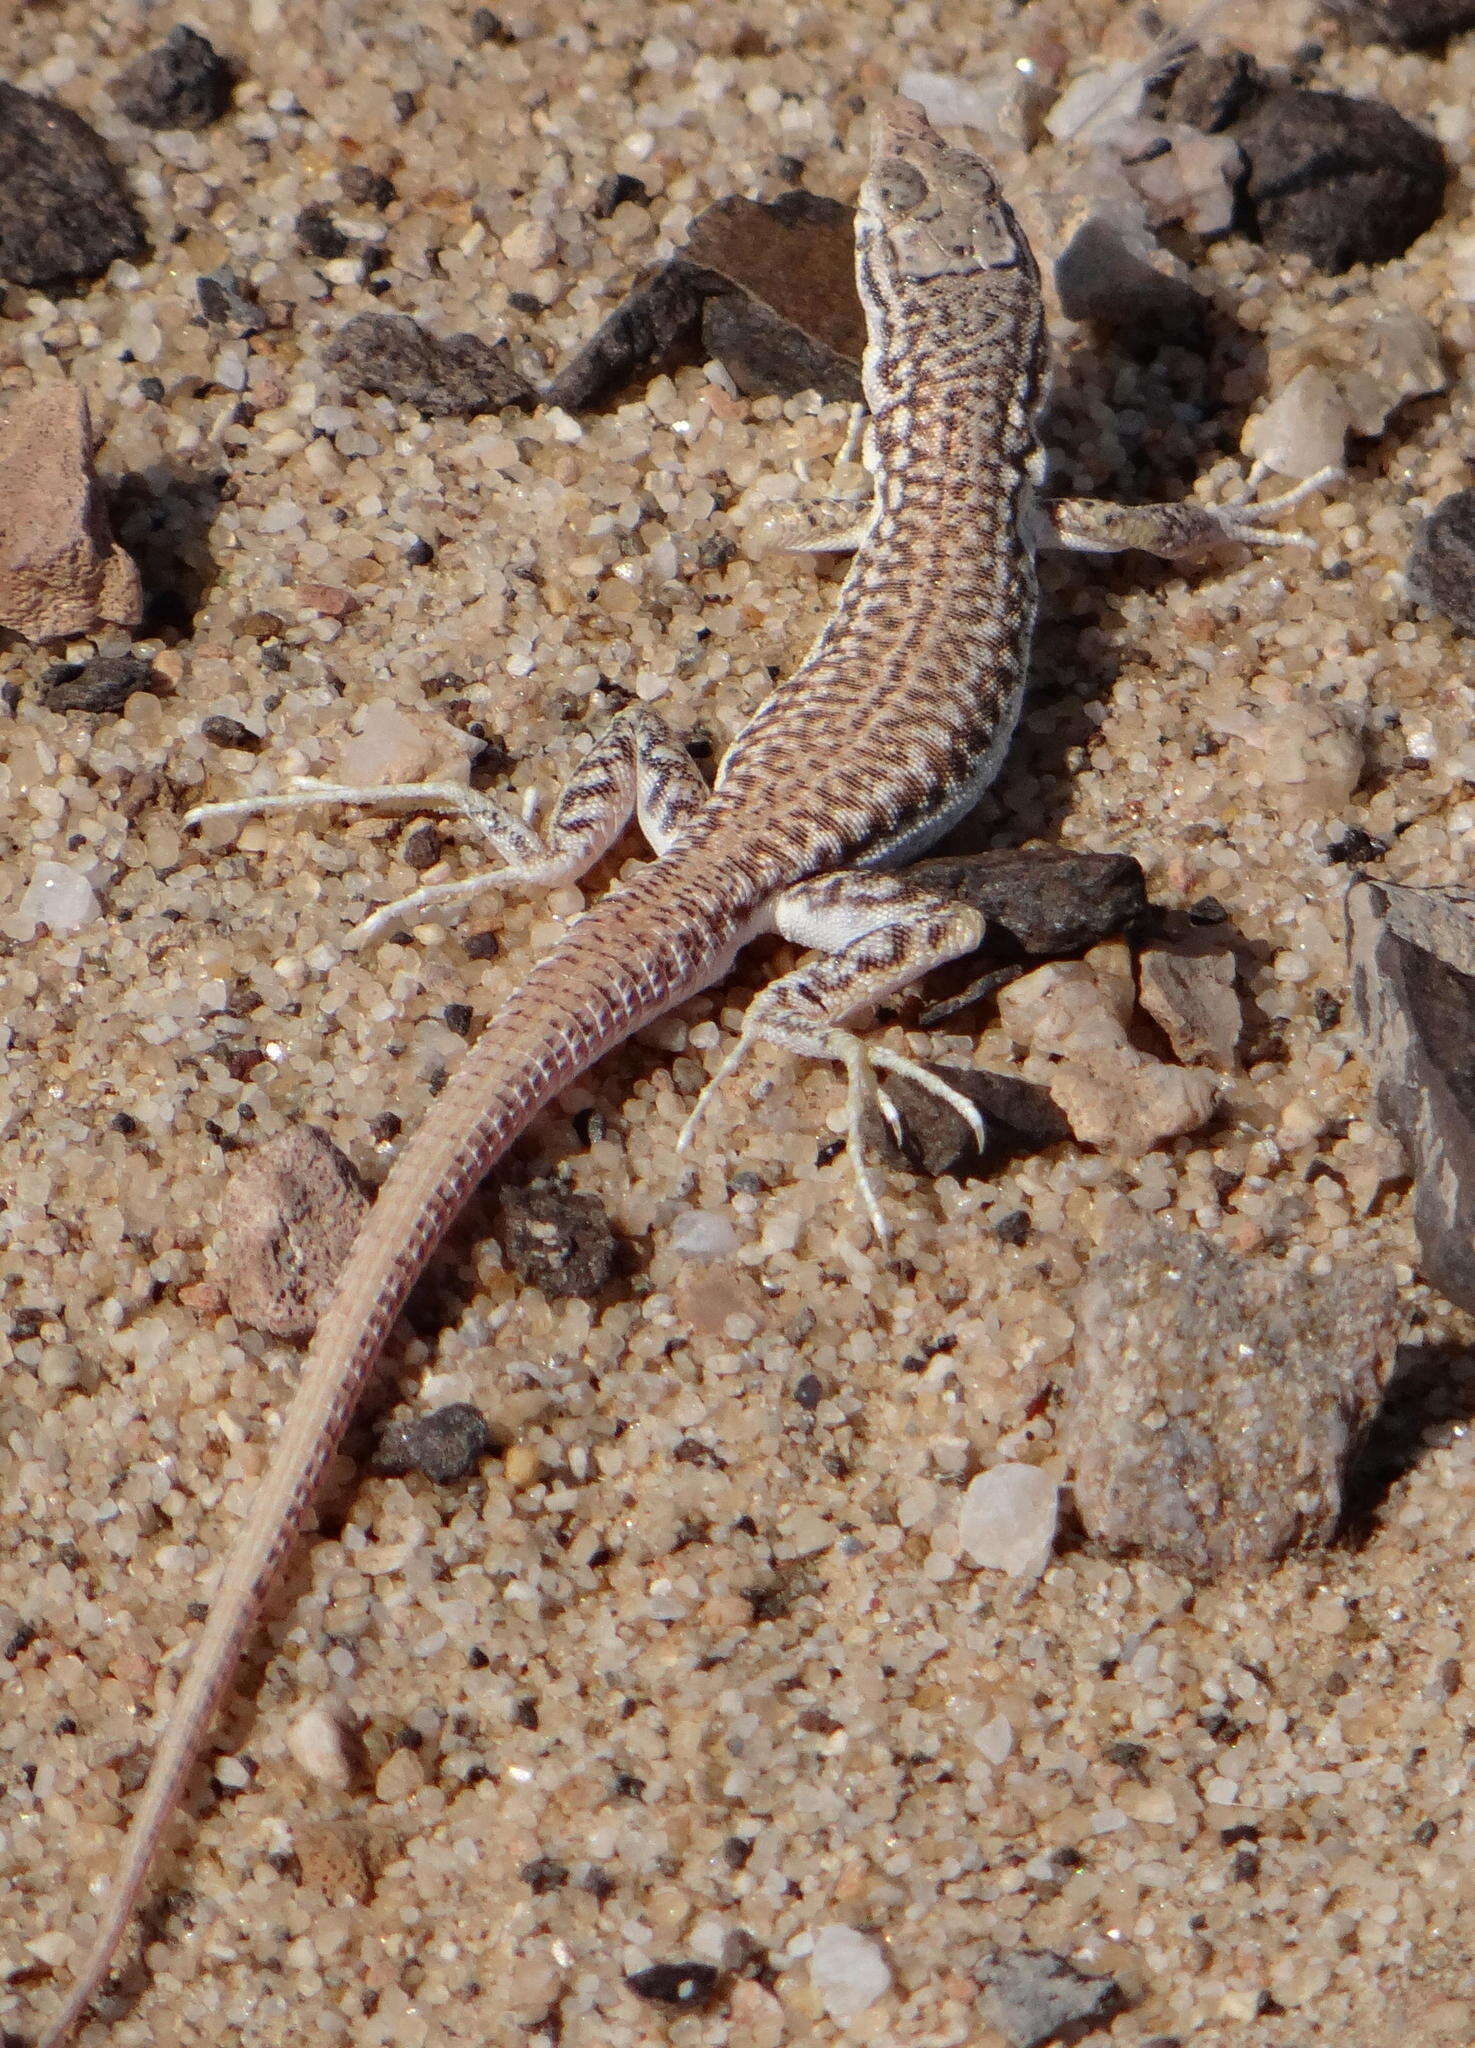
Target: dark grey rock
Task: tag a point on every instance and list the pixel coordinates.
(183, 83)
(1337, 179)
(362, 187)
(1102, 280)
(459, 375)
(445, 1445)
(229, 732)
(1040, 902)
(769, 290)
(656, 320)
(319, 235)
(686, 1986)
(1218, 1401)
(65, 212)
(1413, 995)
(1404, 23)
(226, 302)
(618, 189)
(1441, 562)
(1034, 1997)
(557, 1241)
(99, 686)
(1021, 1119)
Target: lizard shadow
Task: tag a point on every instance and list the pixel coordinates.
(163, 516)
(1081, 642)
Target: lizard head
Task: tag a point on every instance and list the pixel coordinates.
(927, 210)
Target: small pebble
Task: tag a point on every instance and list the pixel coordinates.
(61, 572)
(557, 1241)
(182, 83)
(60, 897)
(291, 1211)
(1191, 995)
(1441, 562)
(319, 235)
(616, 189)
(1217, 1400)
(849, 1971)
(324, 1741)
(459, 375)
(362, 187)
(101, 685)
(703, 1234)
(226, 302)
(446, 1445)
(1033, 1997)
(686, 1987)
(65, 209)
(1008, 1518)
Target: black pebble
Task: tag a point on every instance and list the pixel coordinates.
(183, 83)
(65, 212)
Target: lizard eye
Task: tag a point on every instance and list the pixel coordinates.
(899, 187)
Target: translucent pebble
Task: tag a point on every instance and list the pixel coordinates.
(1007, 1520)
(61, 898)
(848, 1970)
(703, 1234)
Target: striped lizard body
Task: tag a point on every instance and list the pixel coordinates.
(889, 730)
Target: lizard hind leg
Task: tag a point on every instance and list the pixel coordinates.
(876, 934)
(637, 768)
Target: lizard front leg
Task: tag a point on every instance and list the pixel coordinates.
(1188, 526)
(877, 934)
(638, 768)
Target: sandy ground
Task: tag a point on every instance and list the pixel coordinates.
(700, 1672)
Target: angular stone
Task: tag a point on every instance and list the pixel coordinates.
(61, 573)
(1020, 1119)
(1191, 995)
(1128, 1102)
(769, 290)
(789, 319)
(65, 212)
(459, 375)
(1034, 1997)
(183, 82)
(557, 1241)
(100, 686)
(1217, 1402)
(1048, 900)
(849, 1971)
(1413, 994)
(652, 326)
(291, 1212)
(1008, 1519)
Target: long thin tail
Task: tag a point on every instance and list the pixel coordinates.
(619, 966)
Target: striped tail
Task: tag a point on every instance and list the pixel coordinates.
(632, 956)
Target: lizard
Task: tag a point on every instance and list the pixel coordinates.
(887, 733)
